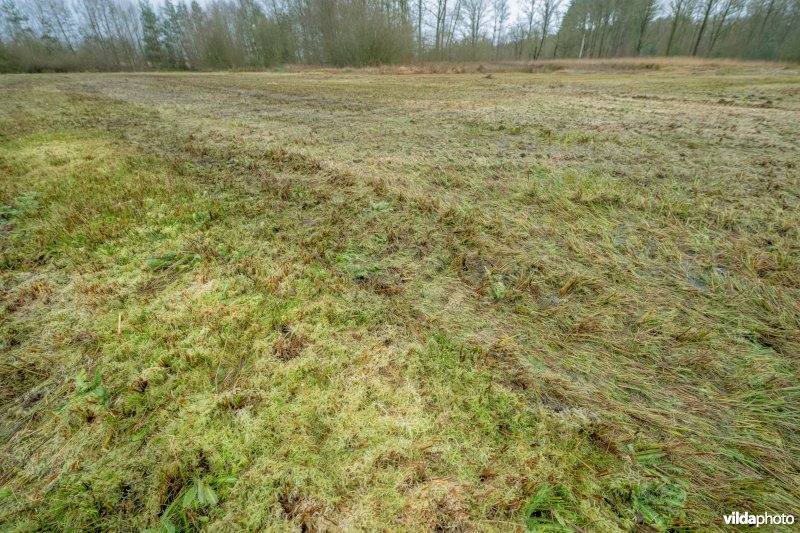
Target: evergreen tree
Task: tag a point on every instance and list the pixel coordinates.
(151, 35)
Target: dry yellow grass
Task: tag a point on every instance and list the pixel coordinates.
(622, 65)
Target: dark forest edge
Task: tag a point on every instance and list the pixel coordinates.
(122, 35)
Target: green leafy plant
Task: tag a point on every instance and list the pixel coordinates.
(93, 387)
(547, 510)
(353, 265)
(200, 497)
(659, 501)
(23, 204)
(173, 261)
(380, 206)
(201, 218)
(499, 289)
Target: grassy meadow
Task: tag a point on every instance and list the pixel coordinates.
(326, 300)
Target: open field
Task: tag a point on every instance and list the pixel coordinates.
(352, 300)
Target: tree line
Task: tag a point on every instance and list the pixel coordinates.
(111, 35)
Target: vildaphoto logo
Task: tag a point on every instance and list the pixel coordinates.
(746, 519)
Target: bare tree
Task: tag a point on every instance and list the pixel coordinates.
(441, 25)
(500, 14)
(678, 11)
(420, 42)
(726, 9)
(55, 17)
(547, 11)
(474, 14)
(41, 35)
(530, 9)
(706, 12)
(455, 20)
(646, 10)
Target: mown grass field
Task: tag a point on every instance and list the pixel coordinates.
(369, 301)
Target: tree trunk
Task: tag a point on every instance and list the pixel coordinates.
(709, 6)
(419, 28)
(678, 7)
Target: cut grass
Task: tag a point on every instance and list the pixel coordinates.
(360, 301)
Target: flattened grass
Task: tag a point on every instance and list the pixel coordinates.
(360, 301)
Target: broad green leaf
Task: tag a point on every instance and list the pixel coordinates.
(205, 494)
(190, 497)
